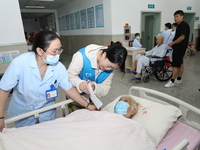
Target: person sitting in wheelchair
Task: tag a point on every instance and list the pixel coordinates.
(144, 59)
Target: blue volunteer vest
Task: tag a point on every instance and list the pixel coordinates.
(88, 73)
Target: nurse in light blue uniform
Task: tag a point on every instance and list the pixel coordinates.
(34, 78)
(136, 42)
(167, 34)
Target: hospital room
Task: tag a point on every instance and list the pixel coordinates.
(100, 75)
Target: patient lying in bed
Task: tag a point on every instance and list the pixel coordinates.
(126, 106)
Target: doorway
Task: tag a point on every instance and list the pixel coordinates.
(46, 18)
(190, 19)
(151, 27)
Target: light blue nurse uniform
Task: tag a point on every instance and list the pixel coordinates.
(136, 43)
(29, 89)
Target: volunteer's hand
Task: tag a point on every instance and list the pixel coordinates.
(92, 84)
(84, 87)
(1, 124)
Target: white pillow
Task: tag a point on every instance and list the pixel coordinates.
(156, 118)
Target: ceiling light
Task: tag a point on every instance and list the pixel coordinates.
(34, 6)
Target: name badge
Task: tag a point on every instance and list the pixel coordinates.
(52, 93)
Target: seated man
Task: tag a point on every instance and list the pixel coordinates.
(143, 59)
(126, 106)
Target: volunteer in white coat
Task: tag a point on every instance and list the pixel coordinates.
(96, 64)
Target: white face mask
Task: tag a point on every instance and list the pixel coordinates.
(121, 107)
(138, 37)
(51, 60)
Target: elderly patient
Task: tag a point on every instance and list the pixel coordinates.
(143, 59)
(126, 106)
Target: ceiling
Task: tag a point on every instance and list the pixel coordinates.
(35, 13)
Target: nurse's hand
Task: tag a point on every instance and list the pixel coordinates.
(1, 124)
(92, 107)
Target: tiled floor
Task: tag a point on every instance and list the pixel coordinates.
(188, 91)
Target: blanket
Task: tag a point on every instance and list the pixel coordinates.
(80, 130)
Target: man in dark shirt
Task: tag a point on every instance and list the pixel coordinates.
(179, 45)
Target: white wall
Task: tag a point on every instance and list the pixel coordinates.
(129, 11)
(119, 12)
(79, 5)
(11, 30)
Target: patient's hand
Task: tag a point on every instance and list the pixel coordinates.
(1, 124)
(92, 107)
(141, 53)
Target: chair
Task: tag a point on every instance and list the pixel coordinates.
(130, 43)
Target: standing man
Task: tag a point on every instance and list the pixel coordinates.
(179, 45)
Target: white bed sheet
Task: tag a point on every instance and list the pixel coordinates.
(82, 129)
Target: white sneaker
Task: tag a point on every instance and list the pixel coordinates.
(178, 81)
(169, 84)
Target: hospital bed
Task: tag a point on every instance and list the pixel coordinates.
(165, 119)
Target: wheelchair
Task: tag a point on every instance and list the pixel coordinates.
(161, 69)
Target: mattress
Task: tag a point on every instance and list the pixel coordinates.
(178, 133)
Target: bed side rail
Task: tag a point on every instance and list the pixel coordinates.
(36, 112)
(183, 106)
(182, 145)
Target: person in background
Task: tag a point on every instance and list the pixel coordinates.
(143, 59)
(26, 36)
(190, 49)
(95, 64)
(174, 26)
(179, 45)
(30, 41)
(167, 34)
(136, 42)
(35, 77)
